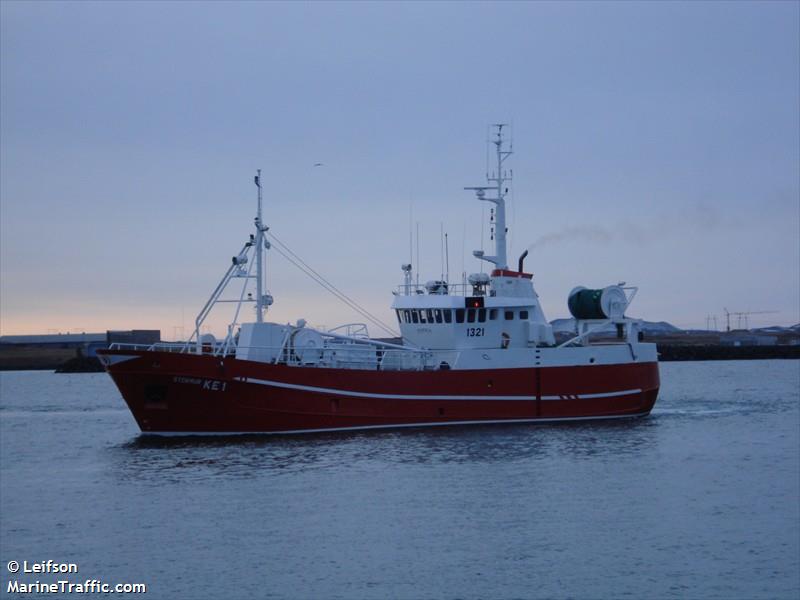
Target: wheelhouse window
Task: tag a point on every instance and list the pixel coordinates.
(509, 314)
(470, 315)
(448, 315)
(481, 315)
(429, 314)
(407, 316)
(414, 316)
(523, 314)
(422, 317)
(493, 314)
(400, 316)
(437, 314)
(459, 315)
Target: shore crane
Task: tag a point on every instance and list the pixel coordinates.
(742, 316)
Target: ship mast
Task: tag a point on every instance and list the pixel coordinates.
(498, 178)
(260, 229)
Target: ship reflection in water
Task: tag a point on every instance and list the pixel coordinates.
(150, 457)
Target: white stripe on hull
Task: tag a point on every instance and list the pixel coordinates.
(397, 426)
(335, 392)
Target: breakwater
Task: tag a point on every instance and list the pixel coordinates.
(670, 352)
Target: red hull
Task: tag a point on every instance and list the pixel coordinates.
(184, 393)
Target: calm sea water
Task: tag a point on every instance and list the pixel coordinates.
(698, 501)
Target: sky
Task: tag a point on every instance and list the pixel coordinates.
(656, 143)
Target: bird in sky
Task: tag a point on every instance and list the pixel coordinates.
(318, 164)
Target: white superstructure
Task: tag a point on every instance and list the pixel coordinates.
(490, 320)
(500, 310)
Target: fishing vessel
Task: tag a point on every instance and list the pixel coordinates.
(473, 352)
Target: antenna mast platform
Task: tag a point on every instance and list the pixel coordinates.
(499, 178)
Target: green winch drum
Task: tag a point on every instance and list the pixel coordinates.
(585, 303)
(605, 303)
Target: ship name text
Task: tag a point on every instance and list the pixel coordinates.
(212, 385)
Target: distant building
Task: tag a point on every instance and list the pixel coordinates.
(748, 339)
(134, 336)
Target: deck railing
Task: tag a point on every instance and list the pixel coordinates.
(452, 289)
(341, 355)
